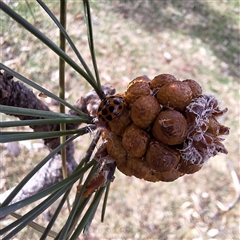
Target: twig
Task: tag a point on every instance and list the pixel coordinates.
(14, 93)
(49, 174)
(224, 209)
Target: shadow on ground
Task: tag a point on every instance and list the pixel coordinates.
(197, 19)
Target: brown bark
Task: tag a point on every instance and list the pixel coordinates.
(14, 93)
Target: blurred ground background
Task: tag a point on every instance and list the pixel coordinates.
(189, 39)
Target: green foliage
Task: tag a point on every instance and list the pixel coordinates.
(131, 37)
(53, 193)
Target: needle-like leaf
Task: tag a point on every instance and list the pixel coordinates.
(69, 180)
(90, 38)
(21, 136)
(35, 169)
(36, 226)
(38, 122)
(89, 213)
(41, 89)
(64, 32)
(49, 43)
(54, 217)
(37, 113)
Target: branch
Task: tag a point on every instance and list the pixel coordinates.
(18, 95)
(236, 183)
(48, 175)
(14, 93)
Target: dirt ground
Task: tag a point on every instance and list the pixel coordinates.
(188, 39)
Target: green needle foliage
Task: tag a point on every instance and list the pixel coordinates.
(83, 209)
(48, 43)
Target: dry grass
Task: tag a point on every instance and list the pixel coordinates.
(189, 39)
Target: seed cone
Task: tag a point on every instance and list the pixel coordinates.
(160, 157)
(170, 127)
(175, 95)
(119, 124)
(195, 87)
(161, 80)
(144, 111)
(167, 128)
(135, 141)
(168, 176)
(137, 88)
